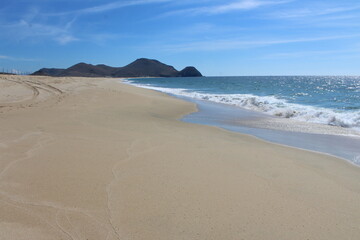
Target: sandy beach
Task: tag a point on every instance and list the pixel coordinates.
(92, 158)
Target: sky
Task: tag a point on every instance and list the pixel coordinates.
(218, 37)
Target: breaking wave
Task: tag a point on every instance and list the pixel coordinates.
(273, 106)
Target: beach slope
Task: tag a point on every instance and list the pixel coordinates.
(89, 158)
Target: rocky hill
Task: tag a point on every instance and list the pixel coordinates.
(190, 72)
(142, 67)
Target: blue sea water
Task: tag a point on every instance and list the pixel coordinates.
(319, 111)
(327, 100)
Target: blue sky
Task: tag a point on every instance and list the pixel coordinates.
(219, 37)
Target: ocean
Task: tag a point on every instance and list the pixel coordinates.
(317, 113)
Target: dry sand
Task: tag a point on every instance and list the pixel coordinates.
(85, 158)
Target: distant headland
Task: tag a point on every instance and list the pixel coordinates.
(141, 67)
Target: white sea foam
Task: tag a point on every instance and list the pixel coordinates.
(273, 106)
(356, 160)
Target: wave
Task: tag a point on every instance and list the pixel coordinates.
(273, 106)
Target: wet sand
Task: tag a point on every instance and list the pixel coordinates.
(332, 140)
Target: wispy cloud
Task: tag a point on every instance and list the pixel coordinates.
(238, 5)
(300, 54)
(226, 44)
(61, 33)
(242, 5)
(64, 39)
(108, 7)
(200, 30)
(102, 39)
(4, 57)
(311, 12)
(36, 24)
(319, 16)
(24, 29)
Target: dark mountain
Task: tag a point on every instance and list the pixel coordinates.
(142, 67)
(55, 72)
(88, 70)
(78, 70)
(146, 68)
(190, 72)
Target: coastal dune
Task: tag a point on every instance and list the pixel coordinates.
(92, 158)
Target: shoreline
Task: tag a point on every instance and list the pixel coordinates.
(105, 160)
(281, 136)
(313, 139)
(276, 112)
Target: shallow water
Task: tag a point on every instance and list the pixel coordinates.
(319, 114)
(327, 100)
(230, 118)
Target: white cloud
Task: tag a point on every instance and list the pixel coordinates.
(234, 6)
(232, 44)
(300, 54)
(33, 30)
(64, 39)
(311, 12)
(228, 7)
(4, 57)
(108, 7)
(18, 59)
